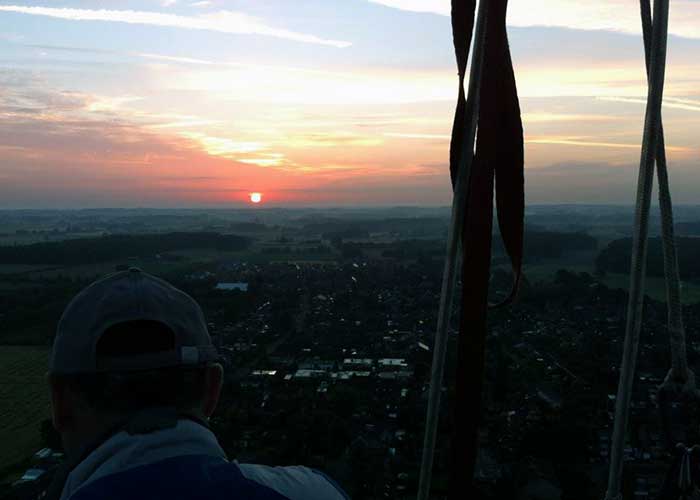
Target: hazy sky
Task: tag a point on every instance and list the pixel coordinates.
(319, 102)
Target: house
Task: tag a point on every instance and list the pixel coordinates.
(243, 287)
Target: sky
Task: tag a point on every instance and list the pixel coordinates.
(185, 103)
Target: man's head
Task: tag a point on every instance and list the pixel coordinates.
(127, 343)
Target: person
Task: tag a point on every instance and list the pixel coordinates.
(133, 379)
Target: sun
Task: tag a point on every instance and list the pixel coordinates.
(255, 197)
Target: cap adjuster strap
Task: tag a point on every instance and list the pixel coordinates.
(189, 355)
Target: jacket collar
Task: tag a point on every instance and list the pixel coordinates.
(125, 450)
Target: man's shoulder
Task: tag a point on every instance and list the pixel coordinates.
(198, 476)
(295, 482)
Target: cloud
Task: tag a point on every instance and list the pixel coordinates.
(267, 160)
(12, 37)
(441, 7)
(58, 150)
(669, 102)
(111, 104)
(400, 135)
(553, 140)
(546, 117)
(332, 140)
(573, 141)
(254, 83)
(184, 122)
(611, 15)
(580, 182)
(177, 59)
(223, 21)
(223, 146)
(65, 48)
(202, 4)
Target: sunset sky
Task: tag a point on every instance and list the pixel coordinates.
(185, 103)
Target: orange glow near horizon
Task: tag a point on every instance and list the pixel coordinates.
(203, 132)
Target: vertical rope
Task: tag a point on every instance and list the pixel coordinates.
(453, 238)
(652, 125)
(679, 373)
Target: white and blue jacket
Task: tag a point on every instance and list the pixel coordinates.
(186, 462)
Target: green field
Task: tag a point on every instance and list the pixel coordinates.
(655, 287)
(24, 402)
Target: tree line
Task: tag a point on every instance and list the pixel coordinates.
(117, 246)
(615, 258)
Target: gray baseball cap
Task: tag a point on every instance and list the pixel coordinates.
(122, 297)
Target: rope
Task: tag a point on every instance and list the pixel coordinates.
(652, 126)
(682, 476)
(453, 239)
(680, 377)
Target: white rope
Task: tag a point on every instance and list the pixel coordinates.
(679, 378)
(459, 203)
(652, 125)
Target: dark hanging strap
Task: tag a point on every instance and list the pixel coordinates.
(499, 158)
(506, 145)
(462, 27)
(500, 127)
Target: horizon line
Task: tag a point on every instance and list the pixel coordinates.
(317, 207)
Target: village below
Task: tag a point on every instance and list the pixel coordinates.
(324, 320)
